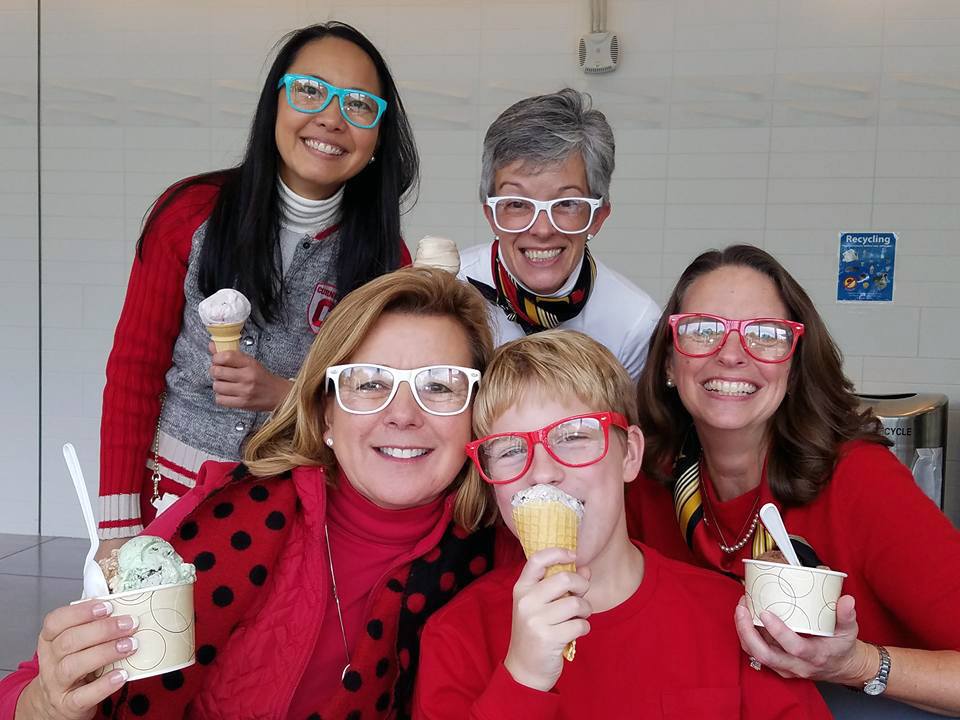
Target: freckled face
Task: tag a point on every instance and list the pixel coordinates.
(598, 486)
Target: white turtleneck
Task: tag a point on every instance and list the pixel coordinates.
(301, 217)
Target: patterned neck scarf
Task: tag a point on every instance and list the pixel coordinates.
(703, 543)
(534, 312)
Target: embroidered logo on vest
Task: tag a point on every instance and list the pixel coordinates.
(322, 302)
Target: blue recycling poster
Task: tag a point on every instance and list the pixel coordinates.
(866, 267)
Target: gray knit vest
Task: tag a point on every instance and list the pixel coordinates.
(189, 411)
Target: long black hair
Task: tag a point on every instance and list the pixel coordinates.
(239, 248)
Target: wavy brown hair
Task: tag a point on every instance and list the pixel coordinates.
(816, 417)
(294, 434)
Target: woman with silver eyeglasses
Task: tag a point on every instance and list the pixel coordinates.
(311, 212)
(320, 558)
(744, 402)
(545, 189)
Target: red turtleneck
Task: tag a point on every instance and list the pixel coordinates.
(366, 541)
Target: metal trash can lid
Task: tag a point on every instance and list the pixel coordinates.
(904, 404)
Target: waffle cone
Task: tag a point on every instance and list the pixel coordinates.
(226, 336)
(546, 525)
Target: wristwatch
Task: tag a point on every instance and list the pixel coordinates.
(878, 683)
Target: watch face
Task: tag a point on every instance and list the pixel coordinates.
(874, 687)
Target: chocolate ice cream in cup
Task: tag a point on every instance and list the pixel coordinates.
(805, 598)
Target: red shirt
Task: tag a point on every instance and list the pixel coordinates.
(366, 542)
(871, 521)
(668, 651)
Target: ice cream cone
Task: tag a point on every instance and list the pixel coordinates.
(545, 524)
(226, 336)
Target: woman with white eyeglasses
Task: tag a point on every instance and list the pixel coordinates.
(743, 402)
(311, 212)
(321, 557)
(545, 189)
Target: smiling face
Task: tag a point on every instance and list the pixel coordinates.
(730, 391)
(603, 531)
(542, 258)
(402, 456)
(319, 152)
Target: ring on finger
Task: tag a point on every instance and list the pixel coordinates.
(754, 663)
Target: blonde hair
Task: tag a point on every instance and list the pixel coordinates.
(294, 434)
(560, 363)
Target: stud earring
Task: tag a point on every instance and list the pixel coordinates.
(329, 441)
(670, 383)
(372, 158)
(589, 237)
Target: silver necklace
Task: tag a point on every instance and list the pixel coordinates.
(336, 599)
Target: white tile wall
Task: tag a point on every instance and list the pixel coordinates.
(774, 122)
(19, 269)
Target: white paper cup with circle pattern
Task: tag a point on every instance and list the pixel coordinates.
(805, 598)
(166, 631)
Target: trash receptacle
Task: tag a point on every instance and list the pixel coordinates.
(917, 425)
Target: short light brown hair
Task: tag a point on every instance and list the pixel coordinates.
(561, 363)
(294, 434)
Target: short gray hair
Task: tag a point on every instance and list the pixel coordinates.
(545, 130)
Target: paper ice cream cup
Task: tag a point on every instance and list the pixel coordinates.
(805, 598)
(166, 632)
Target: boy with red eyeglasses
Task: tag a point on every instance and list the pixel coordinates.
(654, 638)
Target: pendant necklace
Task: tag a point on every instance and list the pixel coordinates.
(336, 599)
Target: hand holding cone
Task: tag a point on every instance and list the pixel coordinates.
(547, 517)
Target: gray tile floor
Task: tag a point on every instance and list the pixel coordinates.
(37, 574)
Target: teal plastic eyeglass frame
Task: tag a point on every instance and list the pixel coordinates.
(332, 91)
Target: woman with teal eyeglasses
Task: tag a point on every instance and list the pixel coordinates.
(311, 212)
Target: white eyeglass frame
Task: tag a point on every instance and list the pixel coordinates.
(542, 206)
(402, 376)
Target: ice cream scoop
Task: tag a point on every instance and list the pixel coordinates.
(546, 517)
(224, 313)
(438, 252)
(148, 561)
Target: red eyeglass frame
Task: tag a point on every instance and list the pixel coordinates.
(533, 437)
(731, 325)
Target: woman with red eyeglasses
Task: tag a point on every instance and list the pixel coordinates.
(743, 401)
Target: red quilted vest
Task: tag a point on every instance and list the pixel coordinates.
(261, 588)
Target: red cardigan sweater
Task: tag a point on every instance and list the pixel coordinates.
(668, 651)
(142, 350)
(871, 521)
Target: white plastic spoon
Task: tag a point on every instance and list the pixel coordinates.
(94, 583)
(770, 517)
